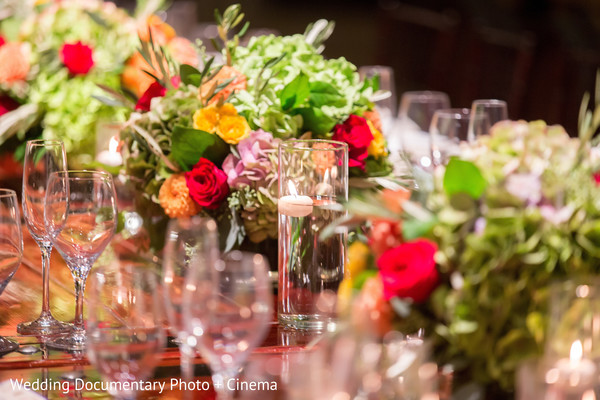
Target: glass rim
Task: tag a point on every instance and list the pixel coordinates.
(40, 142)
(81, 171)
(425, 93)
(463, 113)
(7, 193)
(195, 220)
(289, 144)
(490, 102)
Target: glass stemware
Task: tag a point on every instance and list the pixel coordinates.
(81, 218)
(496, 111)
(414, 119)
(449, 128)
(186, 239)
(11, 248)
(385, 102)
(124, 332)
(227, 307)
(42, 157)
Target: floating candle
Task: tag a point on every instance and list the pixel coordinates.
(295, 206)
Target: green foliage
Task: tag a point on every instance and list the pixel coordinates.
(463, 177)
(189, 145)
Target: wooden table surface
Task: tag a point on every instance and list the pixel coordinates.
(21, 301)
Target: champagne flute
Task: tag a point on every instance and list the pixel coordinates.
(186, 239)
(81, 218)
(227, 307)
(42, 157)
(124, 332)
(11, 248)
(496, 111)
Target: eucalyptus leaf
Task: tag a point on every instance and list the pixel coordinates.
(190, 75)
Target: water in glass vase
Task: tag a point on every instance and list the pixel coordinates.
(310, 269)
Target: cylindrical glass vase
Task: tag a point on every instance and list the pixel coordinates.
(313, 181)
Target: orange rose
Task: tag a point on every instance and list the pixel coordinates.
(133, 78)
(161, 31)
(393, 199)
(323, 159)
(371, 310)
(15, 62)
(238, 83)
(183, 51)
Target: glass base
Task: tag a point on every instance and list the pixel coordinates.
(7, 345)
(74, 341)
(44, 325)
(307, 322)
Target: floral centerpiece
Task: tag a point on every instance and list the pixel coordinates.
(470, 262)
(204, 141)
(57, 56)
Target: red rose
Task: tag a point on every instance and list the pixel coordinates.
(154, 90)
(77, 57)
(7, 104)
(408, 271)
(357, 134)
(597, 178)
(207, 184)
(2, 41)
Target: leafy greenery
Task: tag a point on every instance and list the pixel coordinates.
(189, 145)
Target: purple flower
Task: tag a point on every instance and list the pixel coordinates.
(254, 166)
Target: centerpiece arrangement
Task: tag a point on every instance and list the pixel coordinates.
(57, 57)
(204, 140)
(469, 258)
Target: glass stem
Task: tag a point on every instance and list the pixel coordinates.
(79, 291)
(46, 252)
(224, 384)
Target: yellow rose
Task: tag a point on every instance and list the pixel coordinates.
(358, 255)
(233, 128)
(344, 296)
(206, 119)
(377, 147)
(227, 109)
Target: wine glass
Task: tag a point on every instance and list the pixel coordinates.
(42, 157)
(449, 128)
(124, 332)
(186, 239)
(496, 111)
(385, 100)
(11, 248)
(227, 307)
(414, 119)
(81, 218)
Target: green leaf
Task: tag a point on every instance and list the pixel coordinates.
(415, 228)
(325, 94)
(464, 177)
(189, 145)
(316, 120)
(295, 92)
(190, 75)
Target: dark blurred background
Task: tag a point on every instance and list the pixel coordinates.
(538, 55)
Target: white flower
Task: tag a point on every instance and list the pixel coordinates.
(526, 187)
